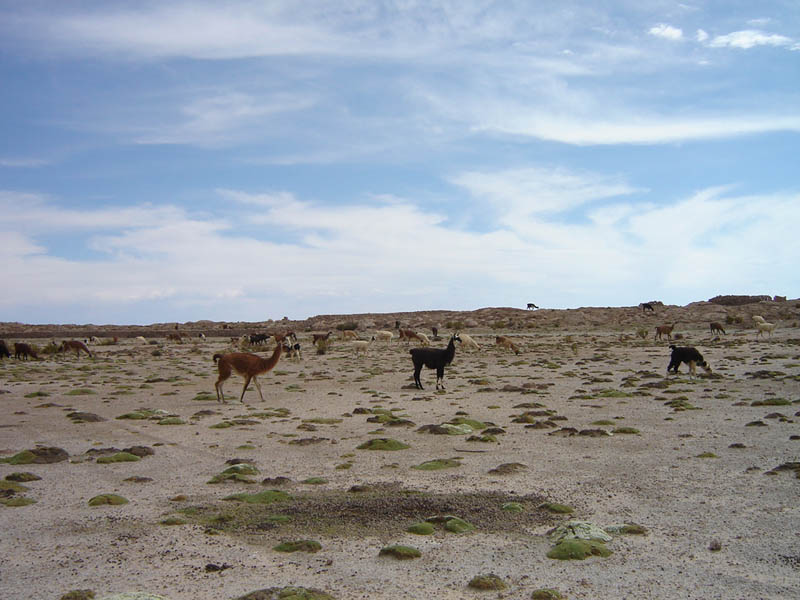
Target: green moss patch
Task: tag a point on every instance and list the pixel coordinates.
(80, 392)
(22, 476)
(236, 473)
(118, 457)
(173, 521)
(287, 593)
(103, 499)
(387, 444)
(575, 549)
(421, 529)
(400, 552)
(487, 582)
(546, 594)
(437, 464)
(626, 430)
(171, 421)
(512, 507)
(560, 509)
(771, 402)
(298, 546)
(17, 501)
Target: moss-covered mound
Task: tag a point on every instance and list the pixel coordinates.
(383, 444)
(298, 546)
(287, 593)
(575, 549)
(400, 552)
(487, 582)
(103, 499)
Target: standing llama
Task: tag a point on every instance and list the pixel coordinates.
(249, 366)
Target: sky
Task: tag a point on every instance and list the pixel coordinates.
(253, 160)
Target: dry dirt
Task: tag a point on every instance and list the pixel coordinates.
(704, 479)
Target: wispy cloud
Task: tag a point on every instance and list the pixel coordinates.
(668, 32)
(23, 163)
(751, 38)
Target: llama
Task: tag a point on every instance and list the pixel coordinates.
(716, 328)
(690, 356)
(320, 337)
(763, 326)
(249, 366)
(258, 338)
(4, 353)
(410, 334)
(647, 306)
(434, 358)
(531, 306)
(664, 330)
(759, 319)
(141, 339)
(21, 349)
(468, 342)
(383, 335)
(76, 345)
(348, 334)
(291, 350)
(505, 342)
(361, 345)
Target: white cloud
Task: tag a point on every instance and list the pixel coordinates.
(23, 163)
(701, 35)
(668, 32)
(751, 38)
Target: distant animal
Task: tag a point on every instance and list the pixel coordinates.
(764, 326)
(201, 335)
(435, 332)
(716, 328)
(76, 345)
(759, 318)
(318, 337)
(348, 334)
(690, 355)
(647, 306)
(258, 338)
(434, 358)
(141, 339)
(4, 353)
(23, 350)
(249, 366)
(531, 306)
(664, 330)
(506, 342)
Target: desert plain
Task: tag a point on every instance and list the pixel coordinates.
(696, 480)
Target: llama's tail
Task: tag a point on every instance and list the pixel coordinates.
(217, 356)
(672, 346)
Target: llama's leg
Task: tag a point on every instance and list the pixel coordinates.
(692, 368)
(439, 377)
(258, 387)
(417, 370)
(244, 388)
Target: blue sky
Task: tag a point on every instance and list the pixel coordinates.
(243, 160)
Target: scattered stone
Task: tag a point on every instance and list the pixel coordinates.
(715, 546)
(84, 417)
(582, 530)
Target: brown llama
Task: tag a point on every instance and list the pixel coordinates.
(249, 366)
(75, 345)
(505, 342)
(716, 328)
(320, 337)
(664, 330)
(23, 350)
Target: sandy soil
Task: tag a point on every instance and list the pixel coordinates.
(720, 521)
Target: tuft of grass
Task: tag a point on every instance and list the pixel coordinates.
(421, 529)
(103, 499)
(298, 546)
(17, 501)
(436, 464)
(576, 549)
(629, 430)
(487, 582)
(383, 444)
(554, 507)
(400, 552)
(118, 457)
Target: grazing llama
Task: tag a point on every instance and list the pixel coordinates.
(249, 366)
(690, 356)
(716, 328)
(76, 345)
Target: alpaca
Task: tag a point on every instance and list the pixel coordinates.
(76, 345)
(384, 335)
(348, 334)
(716, 328)
(4, 353)
(249, 366)
(434, 358)
(410, 334)
(468, 342)
(690, 356)
(763, 326)
(505, 342)
(362, 345)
